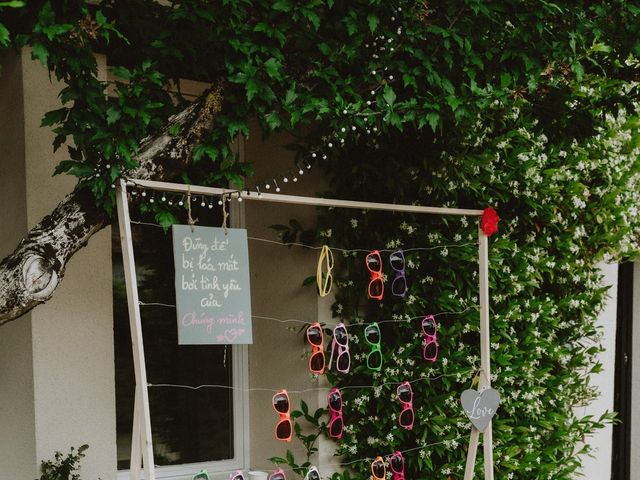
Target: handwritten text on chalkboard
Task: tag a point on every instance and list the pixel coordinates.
(213, 297)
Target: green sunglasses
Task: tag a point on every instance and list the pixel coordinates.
(373, 337)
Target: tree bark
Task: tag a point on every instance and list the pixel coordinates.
(30, 275)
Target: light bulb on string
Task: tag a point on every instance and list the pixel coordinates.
(153, 198)
(203, 203)
(239, 197)
(164, 198)
(211, 203)
(181, 202)
(295, 179)
(285, 179)
(144, 193)
(276, 184)
(267, 186)
(259, 192)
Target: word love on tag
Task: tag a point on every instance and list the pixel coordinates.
(480, 406)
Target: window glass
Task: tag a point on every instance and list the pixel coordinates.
(188, 426)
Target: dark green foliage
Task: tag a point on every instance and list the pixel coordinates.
(530, 107)
(63, 467)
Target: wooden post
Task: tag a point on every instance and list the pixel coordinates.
(485, 364)
(141, 433)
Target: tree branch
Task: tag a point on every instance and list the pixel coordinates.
(30, 275)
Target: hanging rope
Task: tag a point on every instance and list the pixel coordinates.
(190, 219)
(225, 214)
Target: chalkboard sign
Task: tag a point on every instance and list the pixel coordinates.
(213, 297)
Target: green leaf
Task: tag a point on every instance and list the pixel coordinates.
(39, 52)
(373, 22)
(252, 88)
(272, 67)
(433, 118)
(389, 95)
(4, 35)
(113, 115)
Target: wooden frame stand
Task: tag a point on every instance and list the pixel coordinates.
(142, 443)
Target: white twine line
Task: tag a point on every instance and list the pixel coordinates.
(297, 392)
(304, 322)
(345, 250)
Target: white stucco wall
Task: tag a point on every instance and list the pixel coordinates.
(598, 467)
(56, 363)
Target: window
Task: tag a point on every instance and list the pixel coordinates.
(192, 429)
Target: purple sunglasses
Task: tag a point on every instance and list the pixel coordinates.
(399, 284)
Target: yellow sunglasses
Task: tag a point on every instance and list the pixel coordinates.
(324, 278)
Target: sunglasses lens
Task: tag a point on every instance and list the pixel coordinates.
(406, 418)
(335, 401)
(317, 362)
(374, 360)
(343, 361)
(335, 427)
(404, 393)
(340, 334)
(373, 263)
(238, 477)
(281, 403)
(397, 261)
(397, 463)
(378, 469)
(313, 475)
(314, 334)
(372, 334)
(429, 325)
(399, 286)
(375, 287)
(277, 476)
(283, 431)
(431, 351)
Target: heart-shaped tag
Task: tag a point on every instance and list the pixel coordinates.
(480, 407)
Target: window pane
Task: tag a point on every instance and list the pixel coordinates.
(187, 425)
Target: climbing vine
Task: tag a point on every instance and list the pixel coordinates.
(530, 107)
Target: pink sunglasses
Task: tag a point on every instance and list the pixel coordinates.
(336, 424)
(430, 331)
(405, 395)
(277, 475)
(341, 340)
(396, 462)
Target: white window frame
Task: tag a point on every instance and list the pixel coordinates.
(221, 468)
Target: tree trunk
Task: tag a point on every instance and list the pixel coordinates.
(30, 275)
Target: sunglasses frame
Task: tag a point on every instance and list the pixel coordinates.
(284, 417)
(429, 338)
(237, 474)
(384, 468)
(317, 349)
(342, 349)
(335, 414)
(375, 275)
(375, 347)
(397, 475)
(399, 274)
(276, 472)
(202, 474)
(406, 405)
(312, 469)
(324, 260)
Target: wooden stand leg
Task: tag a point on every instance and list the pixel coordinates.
(471, 453)
(142, 417)
(136, 454)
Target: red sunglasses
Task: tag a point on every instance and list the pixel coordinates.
(316, 338)
(282, 406)
(336, 424)
(405, 395)
(373, 260)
